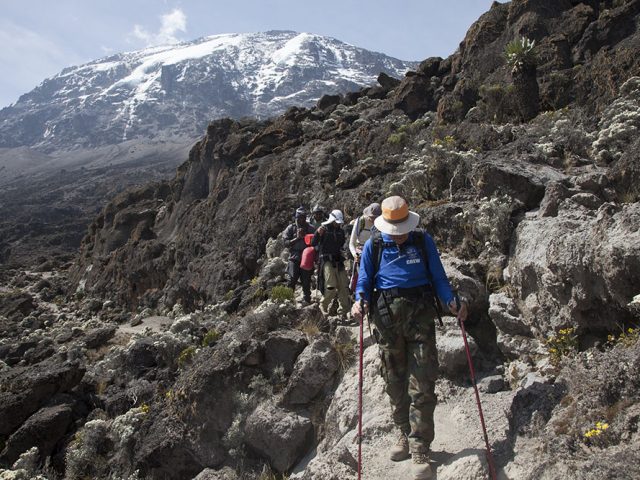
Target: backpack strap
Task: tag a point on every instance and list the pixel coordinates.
(418, 241)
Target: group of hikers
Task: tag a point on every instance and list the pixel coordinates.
(398, 278)
(319, 242)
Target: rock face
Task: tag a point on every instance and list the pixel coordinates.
(571, 268)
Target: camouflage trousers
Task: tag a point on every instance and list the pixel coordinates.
(409, 366)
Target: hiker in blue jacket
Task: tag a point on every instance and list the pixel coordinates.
(400, 288)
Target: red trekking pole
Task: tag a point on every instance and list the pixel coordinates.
(492, 467)
(360, 391)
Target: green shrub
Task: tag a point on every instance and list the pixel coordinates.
(186, 356)
(397, 138)
(563, 344)
(259, 294)
(211, 337)
(448, 142)
(280, 293)
(627, 338)
(347, 353)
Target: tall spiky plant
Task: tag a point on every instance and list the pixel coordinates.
(521, 57)
(521, 54)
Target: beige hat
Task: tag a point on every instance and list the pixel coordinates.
(396, 219)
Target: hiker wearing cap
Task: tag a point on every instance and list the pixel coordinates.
(400, 271)
(362, 229)
(317, 216)
(332, 278)
(293, 237)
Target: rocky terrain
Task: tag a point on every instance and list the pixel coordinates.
(163, 350)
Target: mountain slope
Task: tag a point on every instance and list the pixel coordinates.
(178, 89)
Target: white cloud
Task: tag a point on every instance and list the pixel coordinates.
(171, 24)
(29, 57)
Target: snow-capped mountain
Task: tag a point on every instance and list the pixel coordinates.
(176, 90)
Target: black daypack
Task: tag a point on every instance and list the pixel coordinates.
(378, 245)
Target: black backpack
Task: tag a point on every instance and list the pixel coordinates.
(378, 245)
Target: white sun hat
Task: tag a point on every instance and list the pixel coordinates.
(396, 219)
(335, 216)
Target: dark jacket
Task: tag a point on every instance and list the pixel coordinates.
(293, 243)
(330, 245)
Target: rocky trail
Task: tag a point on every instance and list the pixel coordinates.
(458, 450)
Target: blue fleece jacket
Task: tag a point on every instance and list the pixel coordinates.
(402, 267)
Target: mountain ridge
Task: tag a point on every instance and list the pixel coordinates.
(177, 89)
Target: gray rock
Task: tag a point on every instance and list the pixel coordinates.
(588, 200)
(43, 430)
(97, 337)
(576, 268)
(505, 316)
(225, 473)
(282, 347)
(452, 355)
(281, 436)
(514, 335)
(26, 389)
(554, 193)
(465, 466)
(315, 366)
(492, 384)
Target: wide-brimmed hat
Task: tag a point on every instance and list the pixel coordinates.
(396, 219)
(373, 210)
(300, 212)
(334, 216)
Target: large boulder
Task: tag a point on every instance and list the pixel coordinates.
(315, 366)
(452, 355)
(27, 389)
(579, 268)
(282, 348)
(43, 429)
(281, 436)
(513, 335)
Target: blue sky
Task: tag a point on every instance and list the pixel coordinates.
(41, 37)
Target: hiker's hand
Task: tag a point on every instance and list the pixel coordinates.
(320, 231)
(462, 313)
(300, 233)
(357, 312)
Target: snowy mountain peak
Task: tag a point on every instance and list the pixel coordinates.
(178, 89)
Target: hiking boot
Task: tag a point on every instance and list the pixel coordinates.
(421, 467)
(400, 451)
